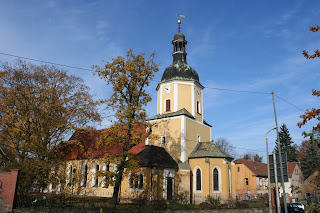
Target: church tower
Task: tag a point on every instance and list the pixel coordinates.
(180, 86)
(179, 123)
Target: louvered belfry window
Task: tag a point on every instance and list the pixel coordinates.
(168, 105)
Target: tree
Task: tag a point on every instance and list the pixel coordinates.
(316, 52)
(286, 144)
(313, 113)
(252, 156)
(225, 146)
(310, 161)
(129, 78)
(39, 106)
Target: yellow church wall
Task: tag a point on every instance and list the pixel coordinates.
(75, 178)
(207, 177)
(184, 97)
(166, 96)
(171, 129)
(193, 129)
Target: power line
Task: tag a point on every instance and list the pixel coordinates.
(233, 90)
(32, 59)
(91, 70)
(289, 103)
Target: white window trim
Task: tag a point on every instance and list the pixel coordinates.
(103, 182)
(171, 174)
(198, 107)
(219, 179)
(136, 189)
(94, 170)
(82, 174)
(195, 180)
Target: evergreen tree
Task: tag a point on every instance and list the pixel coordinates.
(311, 160)
(286, 144)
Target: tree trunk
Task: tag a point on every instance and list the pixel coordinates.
(117, 184)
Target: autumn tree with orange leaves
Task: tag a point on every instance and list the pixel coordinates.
(313, 113)
(40, 106)
(129, 78)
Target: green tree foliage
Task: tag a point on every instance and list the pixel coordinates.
(39, 107)
(310, 161)
(129, 78)
(286, 144)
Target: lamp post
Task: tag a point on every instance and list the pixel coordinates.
(269, 184)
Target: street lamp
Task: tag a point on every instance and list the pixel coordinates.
(269, 184)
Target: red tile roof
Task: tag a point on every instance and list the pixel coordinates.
(291, 166)
(83, 145)
(259, 169)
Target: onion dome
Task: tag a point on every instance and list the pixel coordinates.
(179, 70)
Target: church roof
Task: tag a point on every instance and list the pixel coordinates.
(208, 150)
(155, 156)
(182, 111)
(180, 70)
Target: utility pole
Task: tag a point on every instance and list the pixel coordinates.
(280, 158)
(276, 180)
(268, 165)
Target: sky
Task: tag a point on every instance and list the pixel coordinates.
(236, 45)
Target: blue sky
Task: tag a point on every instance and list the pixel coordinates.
(237, 45)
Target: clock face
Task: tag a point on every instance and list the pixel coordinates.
(198, 93)
(167, 89)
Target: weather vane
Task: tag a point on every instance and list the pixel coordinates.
(179, 21)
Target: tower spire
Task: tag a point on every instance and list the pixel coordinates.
(179, 22)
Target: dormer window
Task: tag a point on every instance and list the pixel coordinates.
(168, 105)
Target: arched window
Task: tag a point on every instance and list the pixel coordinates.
(140, 181)
(105, 168)
(198, 180)
(198, 138)
(136, 181)
(69, 174)
(95, 178)
(215, 179)
(84, 175)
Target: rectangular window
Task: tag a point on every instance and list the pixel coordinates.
(168, 109)
(238, 169)
(198, 107)
(136, 181)
(247, 182)
(163, 140)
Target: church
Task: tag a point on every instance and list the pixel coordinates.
(181, 160)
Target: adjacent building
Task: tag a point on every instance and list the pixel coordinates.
(251, 178)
